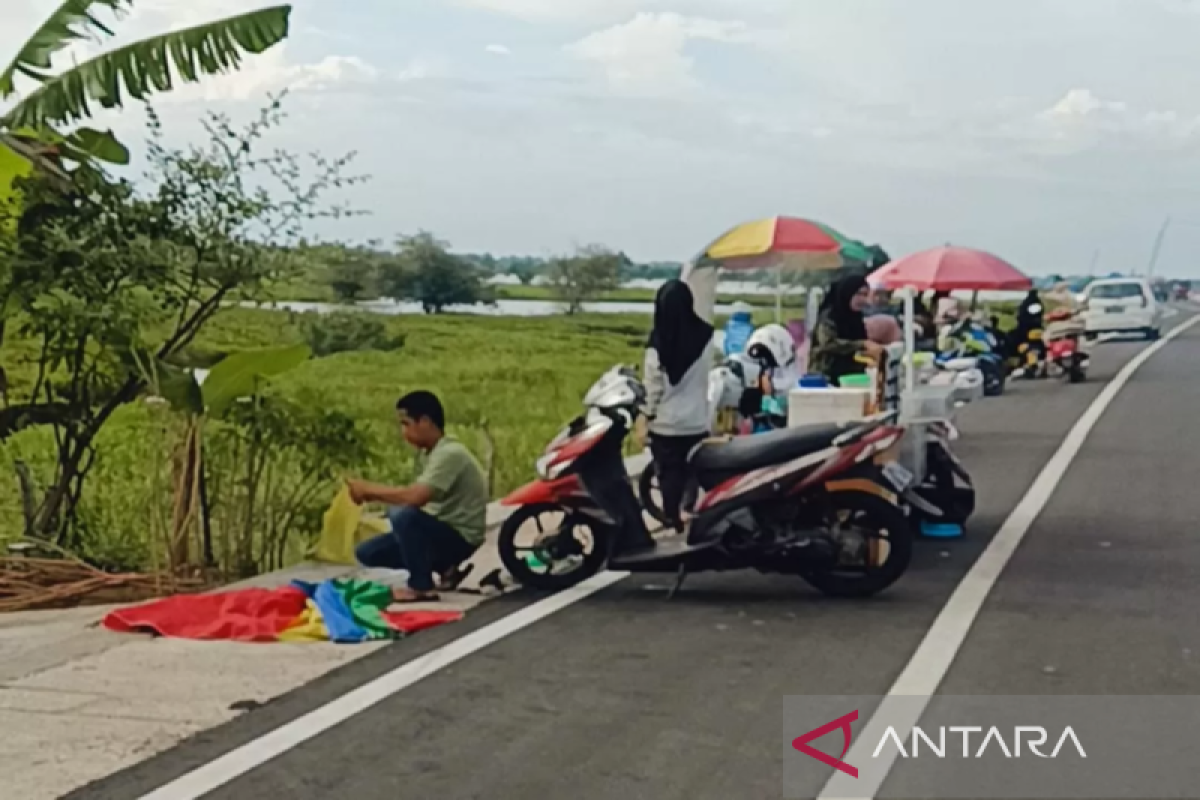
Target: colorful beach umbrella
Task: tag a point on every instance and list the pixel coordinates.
(948, 269)
(787, 243)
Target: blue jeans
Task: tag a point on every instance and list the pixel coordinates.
(418, 543)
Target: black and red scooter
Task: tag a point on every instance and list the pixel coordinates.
(822, 502)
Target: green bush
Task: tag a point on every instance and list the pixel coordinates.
(347, 331)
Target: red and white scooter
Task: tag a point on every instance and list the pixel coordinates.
(822, 502)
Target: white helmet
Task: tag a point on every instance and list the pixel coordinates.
(772, 343)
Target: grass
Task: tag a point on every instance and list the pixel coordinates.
(516, 379)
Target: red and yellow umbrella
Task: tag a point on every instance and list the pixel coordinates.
(787, 243)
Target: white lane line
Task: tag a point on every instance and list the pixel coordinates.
(235, 763)
(910, 694)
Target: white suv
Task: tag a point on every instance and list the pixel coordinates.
(1122, 305)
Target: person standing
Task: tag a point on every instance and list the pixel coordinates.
(841, 331)
(438, 521)
(677, 363)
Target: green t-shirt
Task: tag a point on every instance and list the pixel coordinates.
(460, 495)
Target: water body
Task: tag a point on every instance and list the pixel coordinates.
(545, 308)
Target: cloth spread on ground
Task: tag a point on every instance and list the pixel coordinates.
(343, 528)
(339, 610)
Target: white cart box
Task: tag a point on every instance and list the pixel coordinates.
(827, 405)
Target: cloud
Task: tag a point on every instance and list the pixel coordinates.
(1080, 103)
(498, 50)
(646, 55)
(273, 72)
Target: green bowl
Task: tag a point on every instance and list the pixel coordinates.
(855, 381)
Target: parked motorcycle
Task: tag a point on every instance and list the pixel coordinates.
(823, 502)
(1067, 354)
(967, 339)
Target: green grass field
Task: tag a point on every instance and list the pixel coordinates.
(516, 378)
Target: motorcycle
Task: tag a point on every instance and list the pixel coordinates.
(823, 502)
(1066, 350)
(966, 342)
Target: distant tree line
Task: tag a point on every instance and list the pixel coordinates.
(421, 268)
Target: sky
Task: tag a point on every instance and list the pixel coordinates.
(1045, 131)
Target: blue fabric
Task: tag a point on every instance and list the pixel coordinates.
(339, 621)
(738, 331)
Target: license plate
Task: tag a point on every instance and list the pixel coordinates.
(1114, 309)
(897, 475)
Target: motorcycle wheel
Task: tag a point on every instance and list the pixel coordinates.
(1076, 373)
(649, 495)
(534, 566)
(883, 521)
(993, 379)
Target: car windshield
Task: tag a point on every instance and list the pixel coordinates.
(1116, 291)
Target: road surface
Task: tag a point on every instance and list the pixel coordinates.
(625, 695)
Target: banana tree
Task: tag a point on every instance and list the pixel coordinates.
(234, 378)
(63, 99)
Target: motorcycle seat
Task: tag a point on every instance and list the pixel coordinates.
(713, 461)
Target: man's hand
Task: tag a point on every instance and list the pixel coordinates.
(360, 491)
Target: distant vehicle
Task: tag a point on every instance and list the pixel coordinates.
(1123, 306)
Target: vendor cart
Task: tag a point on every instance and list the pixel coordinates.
(808, 247)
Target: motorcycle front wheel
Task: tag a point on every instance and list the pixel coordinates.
(566, 549)
(882, 530)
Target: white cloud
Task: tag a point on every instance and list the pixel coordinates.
(273, 72)
(498, 50)
(1078, 103)
(646, 55)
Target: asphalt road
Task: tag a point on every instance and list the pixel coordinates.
(627, 695)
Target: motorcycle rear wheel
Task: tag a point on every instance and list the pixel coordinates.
(520, 561)
(649, 495)
(886, 522)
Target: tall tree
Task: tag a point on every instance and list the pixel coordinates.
(107, 278)
(64, 98)
(586, 275)
(426, 271)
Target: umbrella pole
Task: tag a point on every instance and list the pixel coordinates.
(974, 301)
(779, 295)
(910, 340)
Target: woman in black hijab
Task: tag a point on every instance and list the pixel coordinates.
(678, 360)
(841, 333)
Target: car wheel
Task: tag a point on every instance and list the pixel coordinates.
(1153, 334)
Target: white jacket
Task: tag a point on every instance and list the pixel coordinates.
(682, 409)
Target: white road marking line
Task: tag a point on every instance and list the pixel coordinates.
(933, 658)
(235, 763)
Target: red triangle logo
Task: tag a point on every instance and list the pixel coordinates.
(801, 743)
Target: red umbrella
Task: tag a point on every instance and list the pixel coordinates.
(948, 269)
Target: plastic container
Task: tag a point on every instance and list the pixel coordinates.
(855, 382)
(930, 402)
(941, 530)
(828, 405)
(814, 382)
